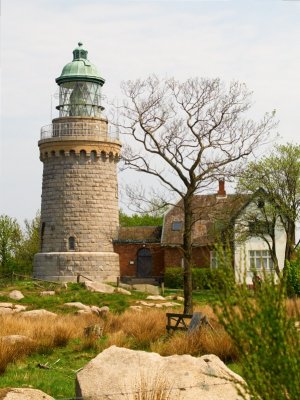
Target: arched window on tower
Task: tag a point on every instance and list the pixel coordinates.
(82, 154)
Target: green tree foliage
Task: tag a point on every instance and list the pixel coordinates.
(279, 176)
(10, 238)
(30, 244)
(140, 219)
(17, 246)
(264, 333)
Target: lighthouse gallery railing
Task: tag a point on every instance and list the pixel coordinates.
(79, 129)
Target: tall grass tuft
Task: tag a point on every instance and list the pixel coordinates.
(43, 334)
(11, 352)
(155, 387)
(205, 341)
(142, 328)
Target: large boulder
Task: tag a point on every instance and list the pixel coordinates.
(80, 306)
(23, 394)
(16, 295)
(16, 339)
(117, 372)
(157, 297)
(98, 287)
(122, 291)
(38, 313)
(48, 293)
(143, 287)
(11, 308)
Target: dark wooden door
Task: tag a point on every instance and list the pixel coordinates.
(144, 263)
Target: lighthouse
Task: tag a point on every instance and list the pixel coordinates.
(79, 210)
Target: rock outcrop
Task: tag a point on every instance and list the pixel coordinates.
(16, 339)
(16, 295)
(38, 313)
(23, 394)
(98, 287)
(11, 308)
(118, 373)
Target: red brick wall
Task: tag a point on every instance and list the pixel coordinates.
(161, 257)
(173, 257)
(128, 252)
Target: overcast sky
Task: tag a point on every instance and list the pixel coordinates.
(253, 42)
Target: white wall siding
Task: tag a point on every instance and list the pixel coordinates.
(242, 248)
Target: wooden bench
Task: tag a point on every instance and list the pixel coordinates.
(186, 322)
(177, 322)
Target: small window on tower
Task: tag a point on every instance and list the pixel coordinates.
(71, 243)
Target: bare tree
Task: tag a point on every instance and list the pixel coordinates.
(187, 135)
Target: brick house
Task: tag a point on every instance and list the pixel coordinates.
(140, 252)
(213, 214)
(145, 252)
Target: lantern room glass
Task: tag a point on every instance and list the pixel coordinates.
(79, 99)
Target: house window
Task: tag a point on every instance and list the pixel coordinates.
(213, 259)
(71, 243)
(176, 225)
(260, 259)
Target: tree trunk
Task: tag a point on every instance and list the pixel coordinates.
(290, 240)
(273, 251)
(187, 251)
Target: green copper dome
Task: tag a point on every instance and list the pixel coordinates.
(80, 69)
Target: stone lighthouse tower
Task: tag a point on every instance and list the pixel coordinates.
(79, 212)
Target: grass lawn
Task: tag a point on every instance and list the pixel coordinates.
(200, 297)
(57, 381)
(74, 292)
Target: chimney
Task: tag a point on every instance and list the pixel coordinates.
(222, 191)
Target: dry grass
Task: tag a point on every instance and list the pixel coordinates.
(293, 308)
(155, 387)
(141, 327)
(42, 332)
(147, 330)
(12, 352)
(205, 341)
(144, 330)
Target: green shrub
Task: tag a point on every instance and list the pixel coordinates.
(292, 270)
(173, 277)
(264, 334)
(202, 278)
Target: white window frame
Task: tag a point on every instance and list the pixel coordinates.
(260, 260)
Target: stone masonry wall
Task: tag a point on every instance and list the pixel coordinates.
(79, 212)
(64, 267)
(79, 199)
